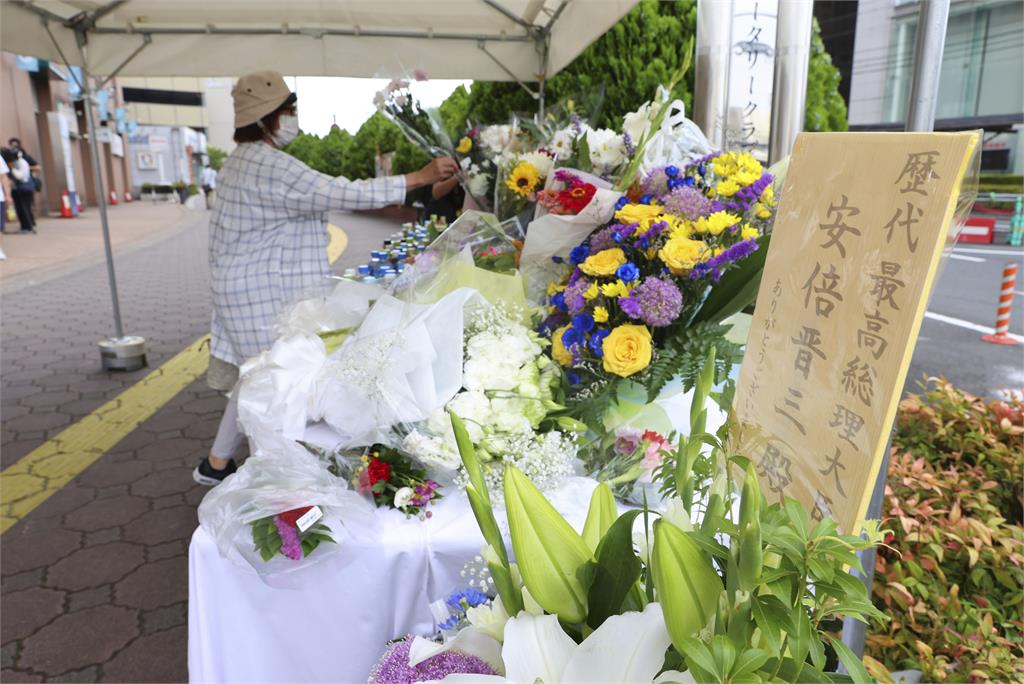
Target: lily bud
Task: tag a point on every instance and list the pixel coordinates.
(687, 584)
(751, 556)
(549, 552)
(750, 499)
(600, 516)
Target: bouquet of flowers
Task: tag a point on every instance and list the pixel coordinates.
(507, 399)
(393, 480)
(293, 534)
(638, 286)
(423, 127)
(723, 594)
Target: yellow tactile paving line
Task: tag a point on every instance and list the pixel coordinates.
(42, 472)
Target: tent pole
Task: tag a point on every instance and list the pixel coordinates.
(924, 89)
(101, 199)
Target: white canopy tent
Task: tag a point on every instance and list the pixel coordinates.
(498, 40)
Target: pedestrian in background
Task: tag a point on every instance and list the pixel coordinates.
(268, 238)
(5, 200)
(22, 188)
(209, 181)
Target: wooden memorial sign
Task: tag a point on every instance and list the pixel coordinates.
(860, 229)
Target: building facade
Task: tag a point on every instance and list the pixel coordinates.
(982, 78)
(40, 104)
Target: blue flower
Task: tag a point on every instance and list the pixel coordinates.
(571, 337)
(628, 272)
(623, 201)
(596, 340)
(674, 183)
(573, 378)
(451, 623)
(688, 180)
(466, 598)
(583, 322)
(579, 254)
(617, 237)
(671, 171)
(646, 199)
(558, 259)
(558, 300)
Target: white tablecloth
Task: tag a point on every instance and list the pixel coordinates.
(334, 628)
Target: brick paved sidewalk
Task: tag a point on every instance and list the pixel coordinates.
(60, 245)
(95, 580)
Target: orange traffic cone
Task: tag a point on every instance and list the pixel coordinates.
(65, 205)
(113, 198)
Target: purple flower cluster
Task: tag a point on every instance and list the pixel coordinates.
(602, 239)
(738, 252)
(577, 125)
(574, 299)
(743, 199)
(393, 667)
(627, 143)
(656, 182)
(660, 301)
(687, 202)
(291, 546)
(423, 494)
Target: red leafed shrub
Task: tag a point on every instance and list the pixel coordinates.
(952, 575)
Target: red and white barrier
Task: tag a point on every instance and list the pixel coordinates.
(113, 198)
(980, 230)
(1002, 334)
(65, 205)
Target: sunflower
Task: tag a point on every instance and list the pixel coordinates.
(524, 179)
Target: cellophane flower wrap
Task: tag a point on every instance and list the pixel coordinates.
(628, 309)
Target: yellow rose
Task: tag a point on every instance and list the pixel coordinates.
(600, 314)
(627, 350)
(716, 223)
(558, 351)
(727, 188)
(465, 145)
(749, 232)
(636, 213)
(591, 291)
(681, 254)
(604, 263)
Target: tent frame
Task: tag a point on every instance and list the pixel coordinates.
(85, 23)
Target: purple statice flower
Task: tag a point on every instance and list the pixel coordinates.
(645, 238)
(713, 266)
(623, 232)
(577, 125)
(656, 182)
(574, 299)
(602, 240)
(566, 177)
(393, 667)
(627, 143)
(291, 547)
(688, 203)
(630, 306)
(660, 301)
(703, 160)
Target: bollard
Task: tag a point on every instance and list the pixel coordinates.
(1002, 334)
(1017, 223)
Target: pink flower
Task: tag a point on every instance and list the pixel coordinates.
(420, 75)
(626, 440)
(291, 547)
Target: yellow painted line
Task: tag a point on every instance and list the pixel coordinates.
(339, 241)
(39, 474)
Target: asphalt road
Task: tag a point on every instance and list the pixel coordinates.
(965, 295)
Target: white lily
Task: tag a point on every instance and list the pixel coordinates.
(625, 649)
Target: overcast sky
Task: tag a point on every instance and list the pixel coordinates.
(324, 99)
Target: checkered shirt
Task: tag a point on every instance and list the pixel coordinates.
(268, 240)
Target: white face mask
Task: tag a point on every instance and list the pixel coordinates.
(287, 129)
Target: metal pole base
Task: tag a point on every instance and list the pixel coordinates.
(123, 354)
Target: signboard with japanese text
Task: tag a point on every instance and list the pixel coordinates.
(751, 75)
(859, 234)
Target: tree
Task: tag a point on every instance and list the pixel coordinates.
(217, 156)
(630, 60)
(455, 112)
(307, 149)
(826, 110)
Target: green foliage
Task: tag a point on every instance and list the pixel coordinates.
(952, 577)
(630, 60)
(826, 109)
(683, 355)
(217, 157)
(455, 113)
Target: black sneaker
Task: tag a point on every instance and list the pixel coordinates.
(208, 476)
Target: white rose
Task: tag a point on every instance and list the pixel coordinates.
(403, 496)
(478, 184)
(606, 149)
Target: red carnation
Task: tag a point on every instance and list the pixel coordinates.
(292, 517)
(653, 437)
(378, 471)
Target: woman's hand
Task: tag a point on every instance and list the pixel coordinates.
(439, 169)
